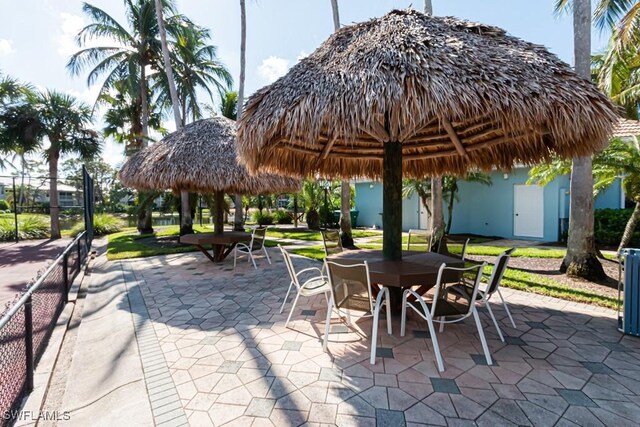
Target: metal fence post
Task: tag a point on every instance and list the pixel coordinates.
(65, 276)
(15, 208)
(79, 257)
(28, 325)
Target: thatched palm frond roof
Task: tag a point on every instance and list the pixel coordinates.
(201, 157)
(626, 128)
(457, 95)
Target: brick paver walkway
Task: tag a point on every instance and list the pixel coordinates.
(233, 362)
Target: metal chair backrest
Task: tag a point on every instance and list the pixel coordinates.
(332, 242)
(462, 303)
(257, 238)
(350, 285)
(421, 238)
(443, 247)
(499, 268)
(289, 263)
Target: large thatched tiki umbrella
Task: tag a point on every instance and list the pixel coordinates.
(414, 95)
(201, 157)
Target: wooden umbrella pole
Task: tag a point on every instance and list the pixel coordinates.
(392, 201)
(219, 201)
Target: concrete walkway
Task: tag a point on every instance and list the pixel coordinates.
(117, 374)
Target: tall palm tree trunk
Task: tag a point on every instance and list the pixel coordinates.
(428, 7)
(345, 186)
(238, 221)
(186, 226)
(630, 228)
(581, 259)
(437, 214)
(145, 214)
(54, 202)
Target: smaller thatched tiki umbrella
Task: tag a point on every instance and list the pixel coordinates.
(201, 157)
(425, 96)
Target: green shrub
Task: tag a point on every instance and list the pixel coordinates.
(262, 218)
(610, 224)
(103, 224)
(282, 217)
(4, 206)
(29, 227)
(313, 219)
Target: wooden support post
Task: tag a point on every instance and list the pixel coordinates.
(392, 201)
(219, 202)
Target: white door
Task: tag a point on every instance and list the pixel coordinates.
(528, 211)
(423, 216)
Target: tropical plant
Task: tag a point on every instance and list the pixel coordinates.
(450, 191)
(229, 104)
(581, 259)
(420, 187)
(346, 233)
(238, 222)
(620, 160)
(617, 73)
(196, 69)
(281, 216)
(263, 218)
(103, 224)
(29, 227)
(64, 122)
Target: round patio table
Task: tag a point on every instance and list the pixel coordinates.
(415, 269)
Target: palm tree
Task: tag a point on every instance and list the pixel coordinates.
(196, 70)
(65, 122)
(581, 259)
(229, 104)
(134, 51)
(420, 187)
(238, 222)
(17, 124)
(620, 160)
(345, 186)
(617, 73)
(450, 190)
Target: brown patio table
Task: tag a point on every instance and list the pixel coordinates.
(221, 244)
(415, 269)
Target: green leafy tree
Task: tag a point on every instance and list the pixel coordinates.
(620, 160)
(66, 124)
(196, 69)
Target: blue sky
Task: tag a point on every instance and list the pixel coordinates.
(36, 38)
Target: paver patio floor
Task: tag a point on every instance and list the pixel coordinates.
(232, 361)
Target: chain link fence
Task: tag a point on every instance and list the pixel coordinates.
(27, 322)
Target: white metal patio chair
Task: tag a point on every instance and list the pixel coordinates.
(442, 307)
(256, 244)
(312, 286)
(493, 286)
(446, 240)
(419, 237)
(350, 288)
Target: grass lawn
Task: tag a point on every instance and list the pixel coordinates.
(129, 244)
(312, 235)
(516, 279)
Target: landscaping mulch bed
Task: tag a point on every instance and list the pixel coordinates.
(550, 268)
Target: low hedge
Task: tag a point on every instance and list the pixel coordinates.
(263, 218)
(610, 225)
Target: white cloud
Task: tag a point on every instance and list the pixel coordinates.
(272, 68)
(113, 153)
(302, 55)
(69, 28)
(6, 47)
